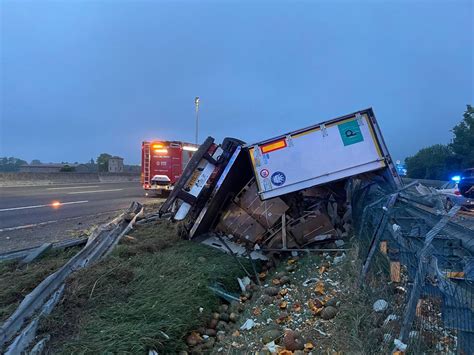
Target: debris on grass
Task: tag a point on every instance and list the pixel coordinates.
(151, 285)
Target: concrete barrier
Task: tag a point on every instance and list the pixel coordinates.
(118, 177)
(431, 183)
(40, 179)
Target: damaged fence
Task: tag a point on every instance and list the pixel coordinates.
(421, 264)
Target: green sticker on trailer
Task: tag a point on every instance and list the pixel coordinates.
(350, 132)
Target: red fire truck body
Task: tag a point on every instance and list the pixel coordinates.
(163, 162)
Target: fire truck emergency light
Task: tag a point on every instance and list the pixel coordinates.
(190, 148)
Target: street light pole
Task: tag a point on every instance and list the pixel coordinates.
(196, 104)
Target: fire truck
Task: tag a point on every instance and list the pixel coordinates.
(162, 164)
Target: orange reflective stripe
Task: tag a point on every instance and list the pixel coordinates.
(270, 147)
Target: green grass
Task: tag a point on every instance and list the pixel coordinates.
(17, 281)
(356, 320)
(150, 285)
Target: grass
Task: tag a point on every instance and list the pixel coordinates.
(357, 325)
(17, 281)
(152, 284)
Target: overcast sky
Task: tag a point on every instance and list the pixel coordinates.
(79, 78)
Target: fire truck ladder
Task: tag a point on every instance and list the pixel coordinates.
(146, 164)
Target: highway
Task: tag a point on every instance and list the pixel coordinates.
(32, 215)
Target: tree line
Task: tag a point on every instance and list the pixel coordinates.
(442, 161)
(12, 164)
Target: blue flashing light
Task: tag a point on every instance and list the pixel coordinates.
(456, 178)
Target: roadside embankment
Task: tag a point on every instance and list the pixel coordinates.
(40, 179)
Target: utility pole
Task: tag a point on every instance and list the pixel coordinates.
(196, 104)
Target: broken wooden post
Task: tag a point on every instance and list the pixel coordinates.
(419, 307)
(395, 274)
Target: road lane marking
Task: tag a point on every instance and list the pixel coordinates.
(90, 192)
(55, 205)
(26, 226)
(71, 187)
(7, 229)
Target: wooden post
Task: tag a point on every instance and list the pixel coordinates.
(395, 271)
(419, 307)
(283, 230)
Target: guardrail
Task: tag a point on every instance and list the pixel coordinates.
(42, 179)
(430, 183)
(99, 244)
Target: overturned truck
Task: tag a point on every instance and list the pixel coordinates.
(285, 193)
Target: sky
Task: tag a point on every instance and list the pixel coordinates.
(79, 78)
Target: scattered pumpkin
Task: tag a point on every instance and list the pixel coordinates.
(319, 288)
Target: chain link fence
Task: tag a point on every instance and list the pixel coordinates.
(418, 267)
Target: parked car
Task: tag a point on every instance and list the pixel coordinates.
(454, 196)
(466, 183)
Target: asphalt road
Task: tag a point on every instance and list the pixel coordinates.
(31, 215)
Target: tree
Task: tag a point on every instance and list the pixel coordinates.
(67, 168)
(103, 161)
(463, 141)
(11, 164)
(442, 161)
(35, 162)
(430, 163)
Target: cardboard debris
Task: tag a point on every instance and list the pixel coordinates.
(239, 223)
(309, 227)
(267, 212)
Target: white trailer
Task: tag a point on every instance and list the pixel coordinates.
(325, 152)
